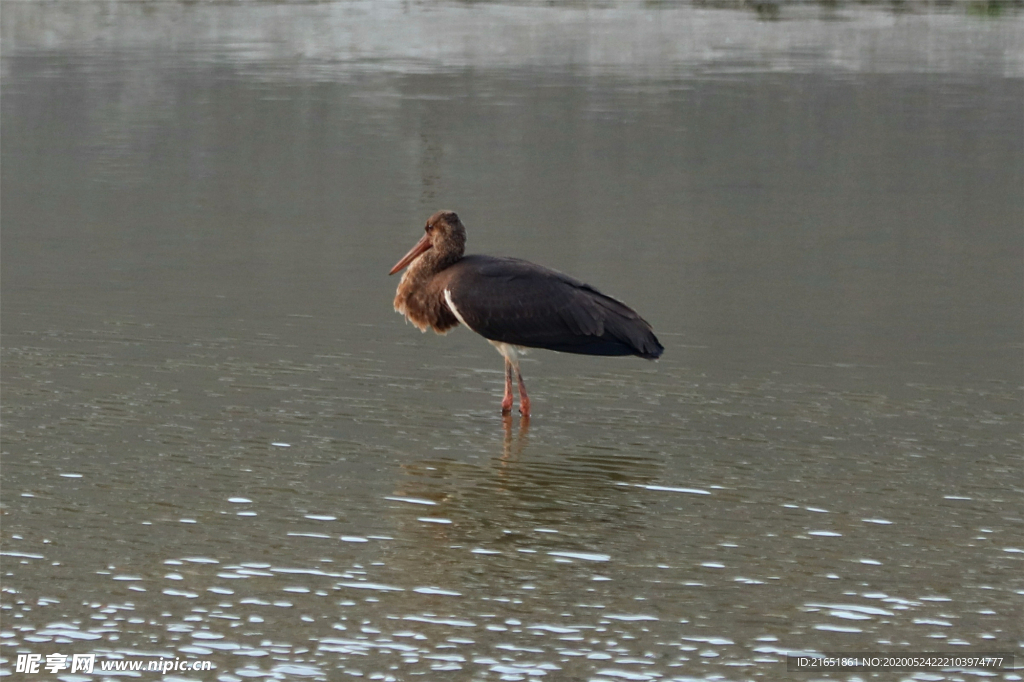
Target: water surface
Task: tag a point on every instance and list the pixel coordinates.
(221, 443)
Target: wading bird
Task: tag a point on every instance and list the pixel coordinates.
(512, 303)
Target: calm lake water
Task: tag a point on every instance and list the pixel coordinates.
(220, 443)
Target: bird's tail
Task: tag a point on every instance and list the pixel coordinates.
(625, 326)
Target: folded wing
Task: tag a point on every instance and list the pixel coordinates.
(521, 303)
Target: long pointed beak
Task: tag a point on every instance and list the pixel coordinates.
(422, 245)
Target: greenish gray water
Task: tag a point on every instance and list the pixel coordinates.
(221, 443)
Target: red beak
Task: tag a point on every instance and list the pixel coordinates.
(422, 245)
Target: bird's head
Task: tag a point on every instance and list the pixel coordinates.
(444, 236)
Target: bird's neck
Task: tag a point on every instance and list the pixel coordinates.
(419, 297)
(418, 275)
(431, 263)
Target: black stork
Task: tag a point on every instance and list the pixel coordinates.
(512, 303)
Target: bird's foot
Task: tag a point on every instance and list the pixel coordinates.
(524, 407)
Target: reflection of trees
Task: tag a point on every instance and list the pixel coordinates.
(431, 155)
(642, 39)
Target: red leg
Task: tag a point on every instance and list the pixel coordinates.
(524, 400)
(506, 403)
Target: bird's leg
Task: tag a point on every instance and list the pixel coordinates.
(524, 400)
(506, 403)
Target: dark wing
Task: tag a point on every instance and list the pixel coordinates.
(517, 302)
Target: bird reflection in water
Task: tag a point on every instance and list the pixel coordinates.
(513, 448)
